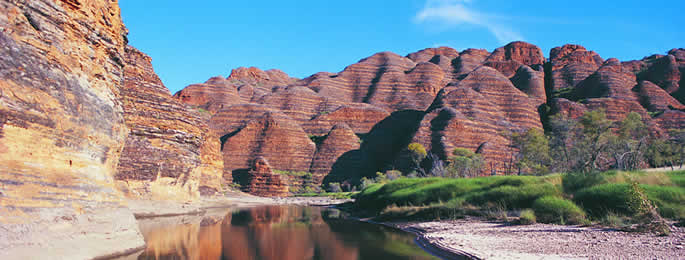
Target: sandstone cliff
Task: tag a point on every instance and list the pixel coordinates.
(169, 152)
(63, 128)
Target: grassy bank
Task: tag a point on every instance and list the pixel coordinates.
(613, 197)
(334, 195)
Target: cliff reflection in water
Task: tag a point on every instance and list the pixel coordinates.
(279, 233)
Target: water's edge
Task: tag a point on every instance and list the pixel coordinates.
(432, 247)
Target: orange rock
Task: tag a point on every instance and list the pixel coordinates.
(270, 134)
(62, 128)
(360, 117)
(655, 98)
(571, 64)
(262, 181)
(479, 111)
(213, 95)
(340, 139)
(167, 140)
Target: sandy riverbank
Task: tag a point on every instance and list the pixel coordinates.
(496, 240)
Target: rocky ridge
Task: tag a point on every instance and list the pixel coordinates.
(446, 99)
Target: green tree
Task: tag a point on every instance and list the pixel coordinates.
(464, 163)
(534, 153)
(677, 141)
(561, 141)
(628, 147)
(592, 140)
(667, 151)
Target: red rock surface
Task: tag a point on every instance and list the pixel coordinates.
(616, 109)
(671, 119)
(83, 117)
(467, 61)
(340, 139)
(531, 82)
(262, 181)
(169, 146)
(270, 134)
(213, 95)
(478, 112)
(665, 72)
(430, 54)
(567, 108)
(244, 85)
(385, 79)
(521, 52)
(509, 58)
(300, 103)
(360, 117)
(655, 98)
(610, 80)
(571, 64)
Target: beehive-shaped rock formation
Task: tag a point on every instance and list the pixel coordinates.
(262, 181)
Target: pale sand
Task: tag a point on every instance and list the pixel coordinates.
(496, 240)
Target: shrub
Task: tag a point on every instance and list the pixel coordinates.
(393, 175)
(365, 183)
(552, 209)
(527, 217)
(381, 178)
(417, 151)
(614, 220)
(464, 163)
(334, 187)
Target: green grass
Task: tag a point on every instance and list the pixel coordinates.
(556, 198)
(334, 195)
(294, 173)
(512, 197)
(511, 191)
(527, 217)
(551, 209)
(677, 178)
(602, 199)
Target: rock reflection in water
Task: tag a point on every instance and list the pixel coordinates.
(278, 233)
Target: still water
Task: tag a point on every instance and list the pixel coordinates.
(277, 233)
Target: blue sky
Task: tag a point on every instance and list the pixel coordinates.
(190, 42)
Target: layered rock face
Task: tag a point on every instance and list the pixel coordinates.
(655, 98)
(262, 181)
(213, 95)
(269, 134)
(62, 130)
(472, 99)
(570, 64)
(479, 111)
(510, 58)
(340, 139)
(385, 79)
(244, 85)
(169, 152)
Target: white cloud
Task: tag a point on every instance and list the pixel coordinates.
(457, 13)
